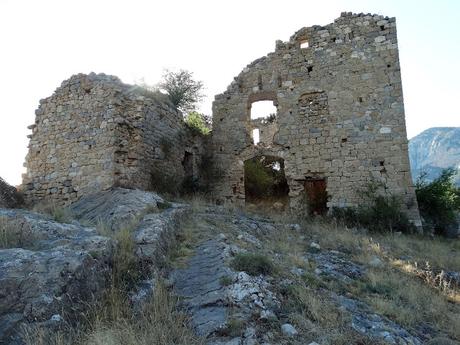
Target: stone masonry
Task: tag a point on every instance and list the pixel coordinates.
(340, 114)
(339, 120)
(95, 132)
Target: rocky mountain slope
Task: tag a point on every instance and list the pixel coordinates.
(434, 150)
(238, 278)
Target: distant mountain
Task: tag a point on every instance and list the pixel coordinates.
(433, 150)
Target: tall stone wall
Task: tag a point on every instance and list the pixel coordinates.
(340, 113)
(95, 132)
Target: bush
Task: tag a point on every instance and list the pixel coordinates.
(253, 264)
(198, 123)
(438, 201)
(257, 180)
(264, 179)
(380, 211)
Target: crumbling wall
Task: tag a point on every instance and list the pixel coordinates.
(340, 113)
(72, 144)
(95, 132)
(267, 127)
(9, 196)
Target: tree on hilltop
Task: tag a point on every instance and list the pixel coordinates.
(183, 91)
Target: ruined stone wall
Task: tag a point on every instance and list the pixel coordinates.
(340, 113)
(95, 132)
(267, 129)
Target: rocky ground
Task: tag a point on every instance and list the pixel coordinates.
(229, 306)
(50, 271)
(239, 278)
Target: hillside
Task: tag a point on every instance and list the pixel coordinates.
(433, 150)
(126, 267)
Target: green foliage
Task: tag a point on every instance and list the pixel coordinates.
(438, 201)
(380, 211)
(183, 91)
(253, 264)
(257, 180)
(264, 178)
(198, 123)
(226, 280)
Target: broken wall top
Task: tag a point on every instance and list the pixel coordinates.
(320, 38)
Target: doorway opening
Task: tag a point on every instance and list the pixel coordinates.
(190, 181)
(316, 196)
(265, 182)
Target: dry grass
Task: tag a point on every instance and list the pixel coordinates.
(392, 290)
(57, 213)
(112, 321)
(14, 234)
(159, 323)
(395, 290)
(438, 252)
(320, 319)
(408, 301)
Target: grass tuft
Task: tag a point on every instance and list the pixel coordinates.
(253, 264)
(14, 234)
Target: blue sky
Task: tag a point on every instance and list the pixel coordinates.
(44, 42)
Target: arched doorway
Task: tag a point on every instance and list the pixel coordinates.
(265, 182)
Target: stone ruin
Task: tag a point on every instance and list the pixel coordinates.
(95, 132)
(338, 125)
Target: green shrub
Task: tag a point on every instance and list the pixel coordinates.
(197, 123)
(438, 201)
(380, 211)
(183, 91)
(225, 280)
(253, 264)
(264, 178)
(256, 179)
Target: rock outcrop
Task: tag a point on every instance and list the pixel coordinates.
(50, 271)
(230, 307)
(48, 281)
